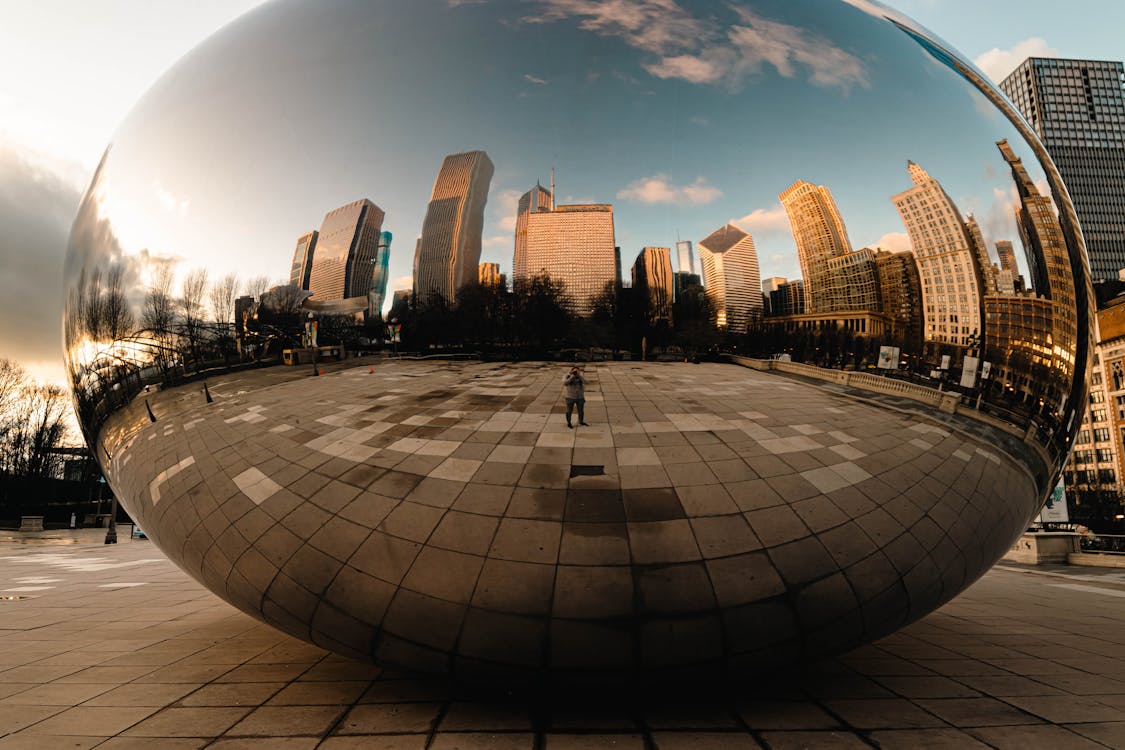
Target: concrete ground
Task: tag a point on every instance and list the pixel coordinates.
(113, 647)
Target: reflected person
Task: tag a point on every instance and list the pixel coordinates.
(574, 390)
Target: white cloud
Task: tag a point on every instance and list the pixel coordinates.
(660, 189)
(705, 51)
(895, 242)
(402, 282)
(169, 201)
(498, 240)
(534, 79)
(998, 63)
(507, 203)
(764, 221)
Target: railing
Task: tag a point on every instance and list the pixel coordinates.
(1102, 544)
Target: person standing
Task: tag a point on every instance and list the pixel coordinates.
(574, 389)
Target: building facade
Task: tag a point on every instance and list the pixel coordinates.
(574, 245)
(344, 258)
(488, 274)
(1051, 278)
(820, 235)
(951, 295)
(732, 277)
(652, 277)
(685, 258)
(301, 269)
(900, 288)
(788, 298)
(449, 250)
(537, 199)
(1077, 107)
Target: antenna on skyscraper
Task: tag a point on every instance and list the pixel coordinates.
(553, 201)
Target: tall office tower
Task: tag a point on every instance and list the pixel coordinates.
(574, 245)
(489, 274)
(345, 252)
(1077, 108)
(946, 262)
(303, 260)
(987, 278)
(538, 198)
(901, 289)
(685, 260)
(769, 286)
(1007, 255)
(731, 276)
(652, 277)
(788, 298)
(380, 274)
(1045, 244)
(1005, 283)
(820, 234)
(449, 249)
(852, 282)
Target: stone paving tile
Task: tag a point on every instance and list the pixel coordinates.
(934, 684)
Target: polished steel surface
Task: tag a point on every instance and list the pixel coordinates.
(885, 277)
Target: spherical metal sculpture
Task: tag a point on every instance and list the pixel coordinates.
(844, 377)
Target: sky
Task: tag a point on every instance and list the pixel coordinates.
(71, 71)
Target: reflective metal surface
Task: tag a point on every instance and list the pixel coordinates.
(878, 266)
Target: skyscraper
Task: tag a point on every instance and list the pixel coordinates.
(820, 234)
(1051, 276)
(449, 250)
(901, 290)
(574, 245)
(788, 298)
(538, 198)
(946, 262)
(731, 276)
(1007, 255)
(345, 252)
(489, 275)
(987, 278)
(685, 261)
(1077, 107)
(303, 260)
(652, 277)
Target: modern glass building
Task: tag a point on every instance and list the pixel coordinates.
(1078, 109)
(449, 250)
(345, 252)
(302, 260)
(537, 199)
(732, 276)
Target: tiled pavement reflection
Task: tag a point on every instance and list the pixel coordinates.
(125, 651)
(710, 515)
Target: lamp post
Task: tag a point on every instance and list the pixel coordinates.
(111, 531)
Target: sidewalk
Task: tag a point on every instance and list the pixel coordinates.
(115, 648)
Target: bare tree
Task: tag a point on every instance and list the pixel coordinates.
(32, 423)
(223, 295)
(193, 292)
(158, 313)
(119, 319)
(256, 286)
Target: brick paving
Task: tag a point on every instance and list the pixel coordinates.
(442, 516)
(114, 647)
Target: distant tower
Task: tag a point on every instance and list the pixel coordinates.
(946, 261)
(1077, 108)
(489, 275)
(303, 260)
(345, 252)
(652, 277)
(980, 250)
(900, 287)
(449, 250)
(684, 258)
(731, 276)
(574, 245)
(536, 199)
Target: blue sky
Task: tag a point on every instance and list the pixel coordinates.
(70, 72)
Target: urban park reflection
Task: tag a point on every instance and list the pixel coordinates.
(924, 263)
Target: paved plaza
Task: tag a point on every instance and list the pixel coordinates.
(115, 648)
(442, 516)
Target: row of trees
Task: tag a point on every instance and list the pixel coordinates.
(33, 424)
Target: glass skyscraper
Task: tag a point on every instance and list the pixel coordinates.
(1078, 109)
